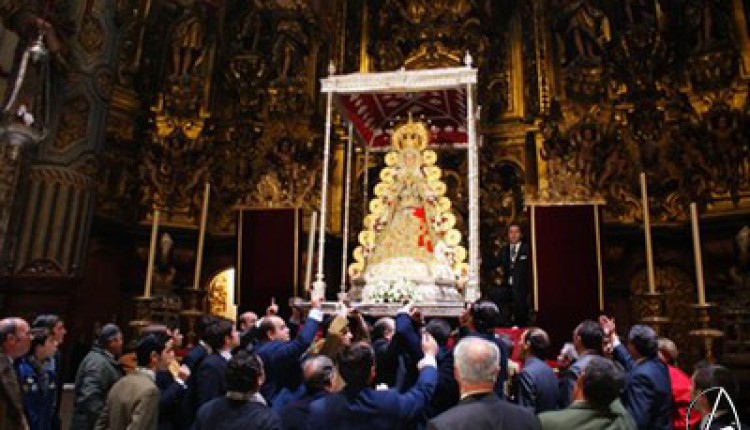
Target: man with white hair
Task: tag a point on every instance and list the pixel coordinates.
(476, 369)
(15, 341)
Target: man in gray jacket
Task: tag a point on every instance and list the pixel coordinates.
(97, 373)
(133, 402)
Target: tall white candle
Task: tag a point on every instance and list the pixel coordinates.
(201, 237)
(647, 230)
(310, 250)
(151, 254)
(697, 254)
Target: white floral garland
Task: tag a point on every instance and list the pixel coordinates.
(392, 291)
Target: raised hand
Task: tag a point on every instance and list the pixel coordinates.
(273, 308)
(429, 345)
(315, 303)
(608, 326)
(184, 372)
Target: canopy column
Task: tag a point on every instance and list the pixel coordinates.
(319, 286)
(472, 286)
(347, 197)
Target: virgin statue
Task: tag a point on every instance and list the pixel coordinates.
(409, 246)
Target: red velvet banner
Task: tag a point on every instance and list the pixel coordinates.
(565, 250)
(267, 260)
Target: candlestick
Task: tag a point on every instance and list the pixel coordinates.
(697, 254)
(201, 237)
(647, 230)
(151, 254)
(310, 250)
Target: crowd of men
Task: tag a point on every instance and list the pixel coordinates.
(344, 371)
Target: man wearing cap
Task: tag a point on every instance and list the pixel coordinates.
(97, 373)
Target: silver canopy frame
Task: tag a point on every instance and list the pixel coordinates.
(403, 81)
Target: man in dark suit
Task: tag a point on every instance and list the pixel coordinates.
(480, 408)
(56, 326)
(595, 405)
(514, 265)
(193, 360)
(201, 350)
(318, 372)
(538, 387)
(173, 389)
(480, 320)
(648, 392)
(360, 407)
(242, 407)
(280, 355)
(210, 379)
(588, 340)
(15, 341)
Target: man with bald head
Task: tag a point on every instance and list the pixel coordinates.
(476, 369)
(15, 341)
(318, 374)
(247, 321)
(281, 355)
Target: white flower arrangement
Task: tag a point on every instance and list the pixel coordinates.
(392, 291)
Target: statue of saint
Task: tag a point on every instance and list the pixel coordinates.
(187, 39)
(409, 236)
(165, 271)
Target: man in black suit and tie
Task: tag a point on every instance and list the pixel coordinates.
(514, 266)
(477, 366)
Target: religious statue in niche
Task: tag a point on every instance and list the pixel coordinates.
(409, 240)
(188, 37)
(723, 124)
(586, 141)
(639, 12)
(709, 21)
(164, 270)
(583, 33)
(294, 21)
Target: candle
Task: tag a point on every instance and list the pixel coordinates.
(201, 237)
(697, 254)
(310, 248)
(647, 230)
(151, 254)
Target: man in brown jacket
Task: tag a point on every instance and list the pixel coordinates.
(133, 402)
(15, 341)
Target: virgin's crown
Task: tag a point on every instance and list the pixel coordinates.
(411, 135)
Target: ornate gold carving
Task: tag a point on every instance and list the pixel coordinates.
(42, 268)
(91, 34)
(221, 295)
(679, 295)
(62, 175)
(73, 123)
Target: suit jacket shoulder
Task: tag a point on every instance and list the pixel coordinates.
(11, 407)
(488, 412)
